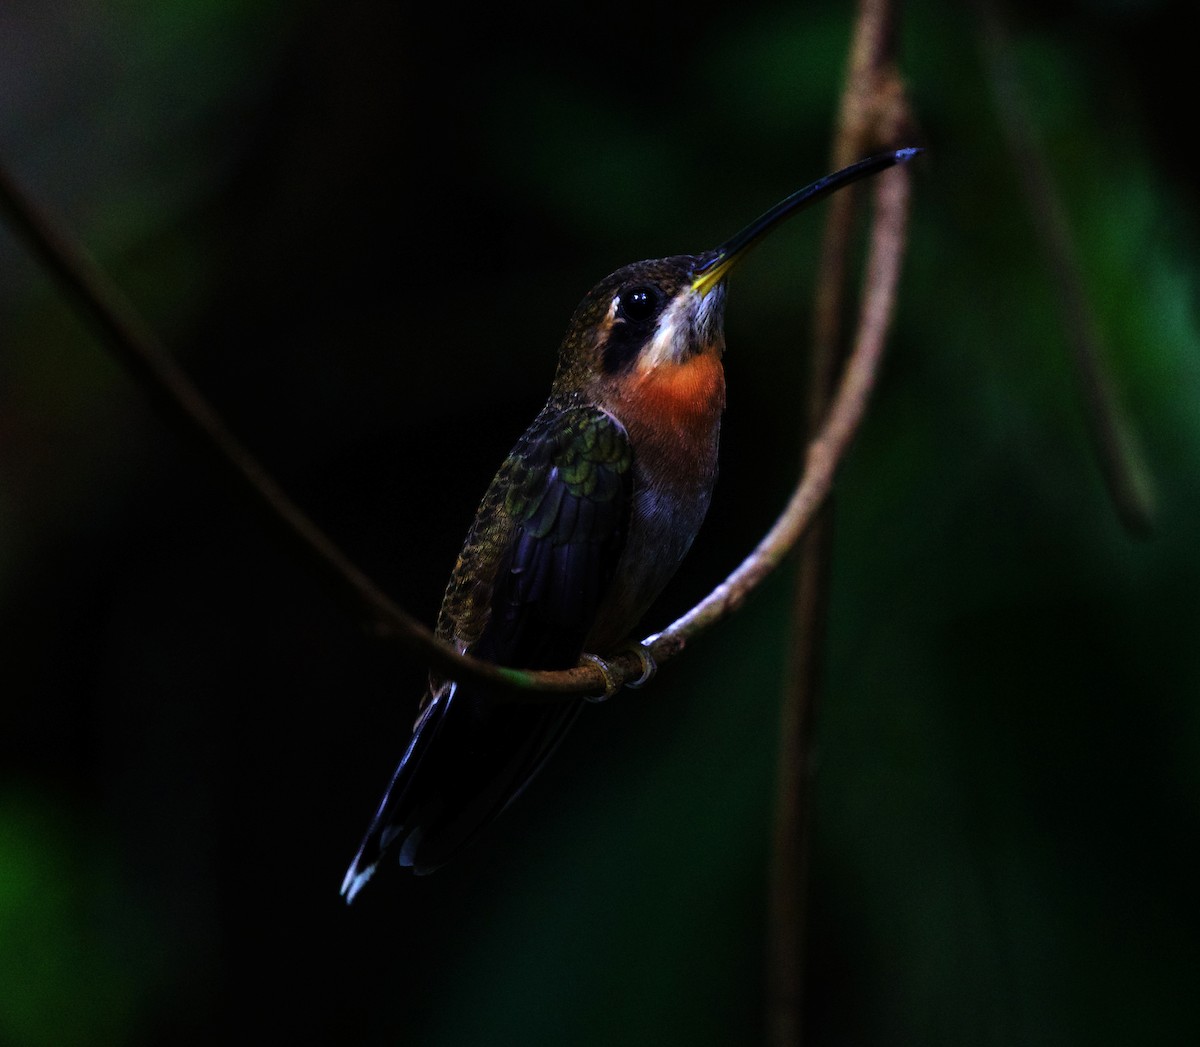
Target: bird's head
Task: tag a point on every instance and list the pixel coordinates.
(650, 317)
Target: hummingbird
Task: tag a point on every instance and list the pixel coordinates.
(582, 527)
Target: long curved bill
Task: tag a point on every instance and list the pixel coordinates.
(711, 272)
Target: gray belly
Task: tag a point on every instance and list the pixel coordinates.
(663, 524)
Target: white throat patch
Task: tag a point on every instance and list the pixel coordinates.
(689, 317)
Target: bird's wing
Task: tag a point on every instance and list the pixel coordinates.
(524, 593)
(565, 493)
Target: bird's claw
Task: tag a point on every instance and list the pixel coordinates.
(612, 682)
(647, 662)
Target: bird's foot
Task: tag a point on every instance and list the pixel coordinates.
(645, 659)
(612, 682)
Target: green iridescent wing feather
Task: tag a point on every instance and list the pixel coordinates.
(545, 542)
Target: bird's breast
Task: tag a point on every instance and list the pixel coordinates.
(673, 417)
(674, 405)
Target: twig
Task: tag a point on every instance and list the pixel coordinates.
(873, 111)
(130, 340)
(1121, 464)
(827, 449)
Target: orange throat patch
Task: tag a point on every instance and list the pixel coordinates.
(688, 393)
(673, 411)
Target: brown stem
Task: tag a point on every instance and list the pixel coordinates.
(827, 449)
(130, 340)
(872, 112)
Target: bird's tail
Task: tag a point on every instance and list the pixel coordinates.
(392, 814)
(469, 757)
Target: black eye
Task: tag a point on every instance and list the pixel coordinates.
(638, 304)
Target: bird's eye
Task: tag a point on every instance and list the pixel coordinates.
(638, 304)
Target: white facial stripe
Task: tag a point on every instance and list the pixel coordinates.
(689, 315)
(670, 336)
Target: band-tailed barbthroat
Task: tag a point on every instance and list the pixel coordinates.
(582, 527)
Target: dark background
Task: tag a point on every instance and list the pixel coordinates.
(362, 229)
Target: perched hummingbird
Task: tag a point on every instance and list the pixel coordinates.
(584, 524)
